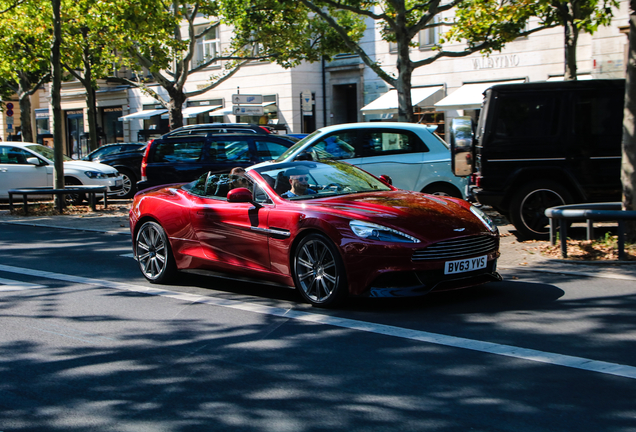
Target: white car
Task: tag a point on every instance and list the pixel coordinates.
(25, 165)
(411, 154)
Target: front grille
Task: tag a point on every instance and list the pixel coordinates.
(457, 248)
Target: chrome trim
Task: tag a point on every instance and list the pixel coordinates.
(526, 159)
(282, 233)
(457, 248)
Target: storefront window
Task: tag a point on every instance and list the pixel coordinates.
(112, 128)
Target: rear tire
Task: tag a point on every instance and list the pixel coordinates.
(130, 185)
(442, 189)
(154, 254)
(528, 205)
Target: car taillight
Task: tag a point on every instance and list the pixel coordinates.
(475, 180)
(144, 161)
(265, 129)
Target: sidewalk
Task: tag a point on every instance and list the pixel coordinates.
(515, 255)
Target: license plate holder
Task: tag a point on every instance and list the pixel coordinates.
(465, 265)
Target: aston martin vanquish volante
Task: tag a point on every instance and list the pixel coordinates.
(327, 228)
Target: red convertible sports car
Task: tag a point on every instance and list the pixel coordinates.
(326, 228)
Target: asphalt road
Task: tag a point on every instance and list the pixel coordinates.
(86, 344)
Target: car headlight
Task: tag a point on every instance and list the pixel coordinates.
(484, 218)
(95, 175)
(378, 232)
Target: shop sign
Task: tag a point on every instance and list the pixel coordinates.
(253, 110)
(247, 99)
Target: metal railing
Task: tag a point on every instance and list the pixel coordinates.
(589, 212)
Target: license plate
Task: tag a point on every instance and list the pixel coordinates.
(465, 265)
(119, 182)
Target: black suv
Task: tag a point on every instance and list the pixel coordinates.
(179, 158)
(540, 145)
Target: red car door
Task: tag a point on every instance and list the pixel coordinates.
(232, 233)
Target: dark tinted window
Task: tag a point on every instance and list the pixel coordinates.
(180, 151)
(229, 150)
(526, 115)
(598, 114)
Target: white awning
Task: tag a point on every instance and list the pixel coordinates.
(222, 111)
(469, 96)
(580, 77)
(388, 102)
(143, 115)
(192, 112)
(196, 110)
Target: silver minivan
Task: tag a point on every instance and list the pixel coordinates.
(411, 154)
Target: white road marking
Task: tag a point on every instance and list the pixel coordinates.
(13, 285)
(387, 330)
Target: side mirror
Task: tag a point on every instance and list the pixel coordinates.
(34, 161)
(239, 195)
(461, 146)
(386, 179)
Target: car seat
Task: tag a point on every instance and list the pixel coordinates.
(282, 184)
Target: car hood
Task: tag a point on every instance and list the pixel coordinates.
(90, 166)
(428, 217)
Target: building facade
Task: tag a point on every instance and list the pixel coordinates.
(313, 95)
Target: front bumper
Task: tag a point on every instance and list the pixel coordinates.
(418, 283)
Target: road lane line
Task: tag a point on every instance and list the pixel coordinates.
(381, 329)
(13, 285)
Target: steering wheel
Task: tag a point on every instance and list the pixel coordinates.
(334, 186)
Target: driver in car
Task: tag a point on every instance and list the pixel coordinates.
(299, 180)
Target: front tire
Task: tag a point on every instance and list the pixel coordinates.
(73, 199)
(528, 205)
(319, 272)
(153, 254)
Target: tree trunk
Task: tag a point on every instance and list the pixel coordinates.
(91, 103)
(24, 97)
(628, 170)
(91, 100)
(571, 39)
(56, 99)
(405, 70)
(175, 108)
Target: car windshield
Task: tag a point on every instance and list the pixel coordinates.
(297, 146)
(302, 180)
(45, 151)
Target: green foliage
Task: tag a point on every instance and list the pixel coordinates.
(287, 30)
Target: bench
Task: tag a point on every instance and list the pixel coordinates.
(589, 212)
(49, 190)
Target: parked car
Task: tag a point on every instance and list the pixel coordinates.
(353, 234)
(540, 145)
(410, 154)
(24, 165)
(110, 149)
(178, 158)
(128, 163)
